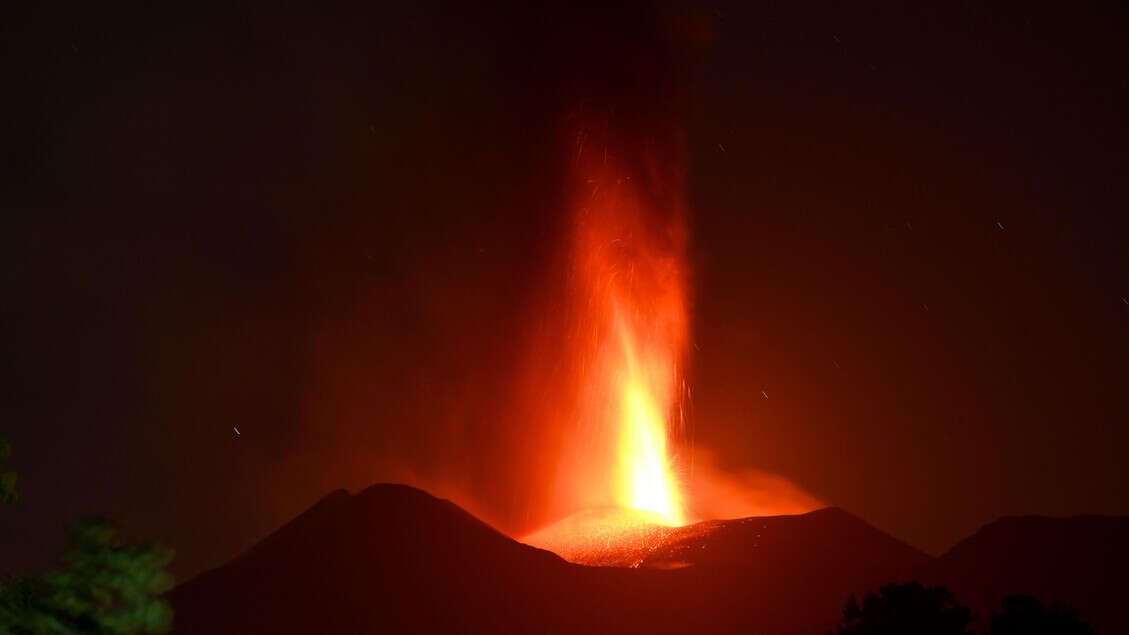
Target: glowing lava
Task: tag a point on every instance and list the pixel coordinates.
(628, 261)
(614, 393)
(646, 481)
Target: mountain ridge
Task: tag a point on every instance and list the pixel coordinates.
(392, 557)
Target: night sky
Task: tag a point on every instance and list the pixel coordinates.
(341, 233)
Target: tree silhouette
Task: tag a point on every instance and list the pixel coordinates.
(1024, 615)
(905, 608)
(103, 585)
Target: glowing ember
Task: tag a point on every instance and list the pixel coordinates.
(605, 537)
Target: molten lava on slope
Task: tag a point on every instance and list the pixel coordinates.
(604, 537)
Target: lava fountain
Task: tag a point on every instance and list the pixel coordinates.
(629, 275)
(620, 375)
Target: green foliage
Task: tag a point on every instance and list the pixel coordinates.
(905, 608)
(7, 479)
(103, 586)
(1024, 615)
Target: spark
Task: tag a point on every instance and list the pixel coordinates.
(722, 148)
(237, 433)
(999, 224)
(765, 394)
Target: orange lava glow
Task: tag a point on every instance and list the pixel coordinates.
(629, 268)
(645, 480)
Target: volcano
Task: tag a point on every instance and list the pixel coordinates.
(395, 559)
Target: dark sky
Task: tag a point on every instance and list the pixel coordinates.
(340, 232)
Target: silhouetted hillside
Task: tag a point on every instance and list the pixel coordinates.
(1081, 561)
(390, 557)
(629, 538)
(395, 558)
(793, 571)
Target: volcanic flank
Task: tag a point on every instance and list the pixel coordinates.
(627, 538)
(608, 537)
(395, 559)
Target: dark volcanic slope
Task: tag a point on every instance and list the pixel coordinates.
(395, 559)
(390, 557)
(628, 538)
(795, 541)
(798, 570)
(1081, 561)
